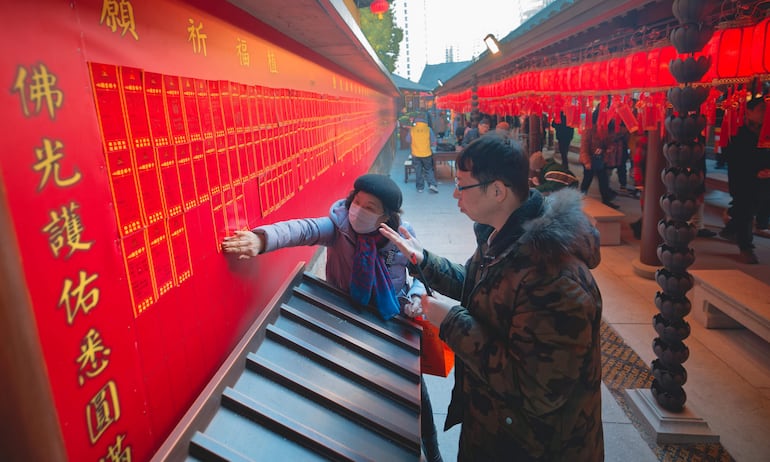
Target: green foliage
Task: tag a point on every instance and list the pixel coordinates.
(383, 35)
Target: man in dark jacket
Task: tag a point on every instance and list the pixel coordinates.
(748, 177)
(526, 330)
(564, 135)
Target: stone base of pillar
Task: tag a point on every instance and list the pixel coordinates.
(642, 270)
(668, 427)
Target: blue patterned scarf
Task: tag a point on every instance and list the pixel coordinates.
(371, 276)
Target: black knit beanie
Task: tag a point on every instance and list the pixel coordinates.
(383, 188)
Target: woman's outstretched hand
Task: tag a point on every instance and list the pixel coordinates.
(407, 244)
(245, 244)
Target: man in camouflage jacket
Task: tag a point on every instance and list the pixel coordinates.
(526, 331)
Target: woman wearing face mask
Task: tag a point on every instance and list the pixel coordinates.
(359, 260)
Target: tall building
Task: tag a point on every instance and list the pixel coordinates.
(410, 16)
(444, 31)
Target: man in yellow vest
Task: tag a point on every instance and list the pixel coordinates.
(422, 140)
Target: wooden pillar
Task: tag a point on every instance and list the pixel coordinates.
(30, 425)
(653, 189)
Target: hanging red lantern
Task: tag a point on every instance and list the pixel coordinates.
(616, 74)
(665, 78)
(733, 58)
(760, 49)
(379, 7)
(561, 78)
(636, 69)
(602, 74)
(586, 76)
(573, 78)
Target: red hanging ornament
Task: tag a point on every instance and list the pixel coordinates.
(379, 7)
(764, 134)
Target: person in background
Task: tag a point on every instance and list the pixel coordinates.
(440, 125)
(596, 148)
(459, 128)
(748, 173)
(523, 315)
(564, 134)
(422, 141)
(620, 164)
(516, 127)
(697, 219)
(481, 129)
(503, 129)
(639, 159)
(547, 175)
(359, 260)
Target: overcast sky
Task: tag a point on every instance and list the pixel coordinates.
(463, 24)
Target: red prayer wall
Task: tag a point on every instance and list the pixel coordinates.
(139, 133)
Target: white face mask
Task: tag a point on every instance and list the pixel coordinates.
(363, 221)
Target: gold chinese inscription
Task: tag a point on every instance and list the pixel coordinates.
(66, 229)
(197, 37)
(76, 297)
(102, 411)
(38, 88)
(243, 53)
(119, 14)
(48, 157)
(93, 357)
(116, 452)
(272, 64)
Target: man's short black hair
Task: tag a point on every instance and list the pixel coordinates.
(492, 158)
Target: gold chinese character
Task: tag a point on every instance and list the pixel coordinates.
(272, 65)
(243, 53)
(48, 158)
(119, 13)
(85, 301)
(65, 229)
(41, 90)
(197, 38)
(102, 411)
(93, 356)
(116, 452)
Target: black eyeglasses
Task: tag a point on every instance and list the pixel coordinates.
(463, 188)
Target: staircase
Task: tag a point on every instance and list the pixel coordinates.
(324, 380)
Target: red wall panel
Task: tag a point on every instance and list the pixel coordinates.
(141, 136)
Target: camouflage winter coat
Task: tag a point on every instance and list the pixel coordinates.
(526, 336)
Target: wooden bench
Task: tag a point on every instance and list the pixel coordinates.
(408, 168)
(608, 220)
(439, 157)
(727, 299)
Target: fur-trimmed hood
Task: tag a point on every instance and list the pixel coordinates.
(549, 228)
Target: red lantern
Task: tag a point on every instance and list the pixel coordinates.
(379, 7)
(573, 78)
(561, 78)
(664, 77)
(733, 56)
(602, 75)
(636, 69)
(586, 76)
(616, 74)
(760, 49)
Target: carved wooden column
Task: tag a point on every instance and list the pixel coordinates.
(683, 178)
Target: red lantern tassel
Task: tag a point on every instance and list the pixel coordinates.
(764, 134)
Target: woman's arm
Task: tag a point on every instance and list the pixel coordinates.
(291, 233)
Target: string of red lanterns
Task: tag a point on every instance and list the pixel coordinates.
(739, 54)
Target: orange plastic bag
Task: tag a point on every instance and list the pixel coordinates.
(436, 358)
